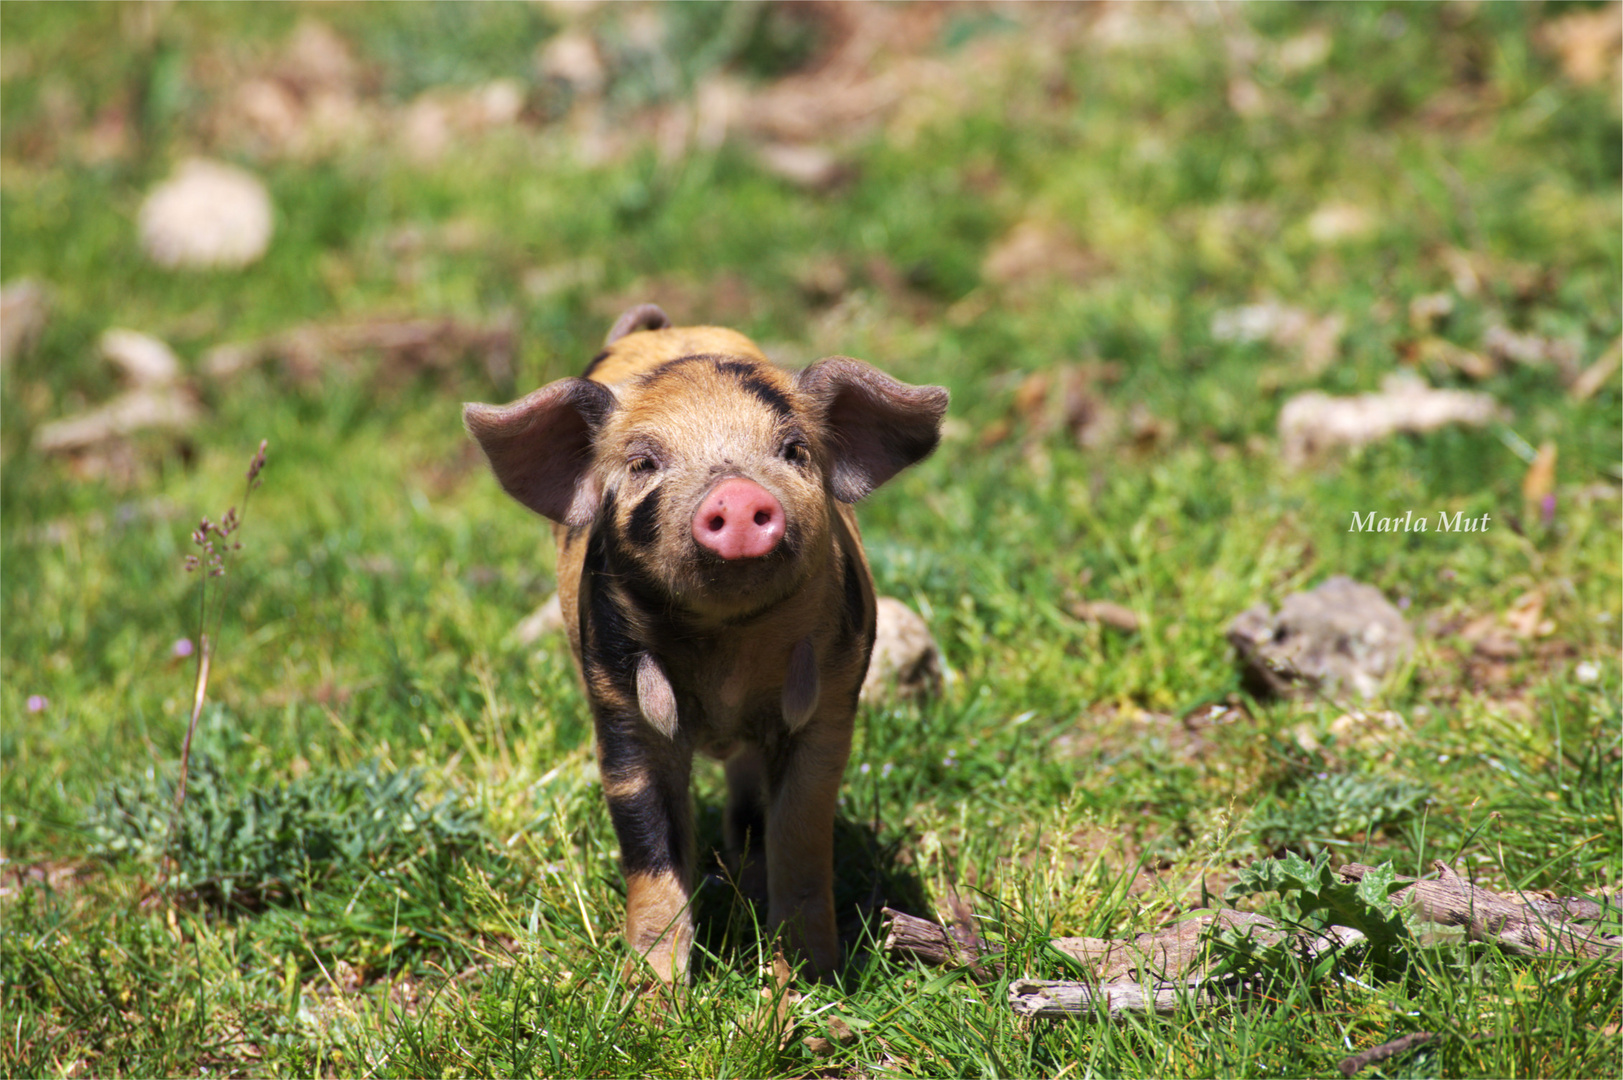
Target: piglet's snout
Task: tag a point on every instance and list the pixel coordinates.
(739, 519)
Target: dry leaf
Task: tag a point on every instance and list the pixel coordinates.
(1526, 616)
(1103, 611)
(1598, 374)
(1031, 396)
(572, 59)
(1586, 42)
(403, 346)
(1505, 344)
(1538, 486)
(24, 307)
(1443, 354)
(1316, 338)
(1427, 311)
(1035, 251)
(544, 620)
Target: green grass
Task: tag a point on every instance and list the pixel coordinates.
(366, 675)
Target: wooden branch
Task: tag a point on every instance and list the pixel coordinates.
(1174, 961)
(1529, 925)
(1377, 1054)
(933, 944)
(1057, 999)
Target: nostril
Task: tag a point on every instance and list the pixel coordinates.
(717, 523)
(762, 517)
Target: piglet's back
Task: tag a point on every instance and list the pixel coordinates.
(642, 351)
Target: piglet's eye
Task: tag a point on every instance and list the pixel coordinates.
(642, 463)
(796, 451)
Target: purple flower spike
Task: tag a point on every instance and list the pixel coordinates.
(38, 702)
(1546, 509)
(183, 647)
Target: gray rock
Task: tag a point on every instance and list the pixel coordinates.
(1341, 635)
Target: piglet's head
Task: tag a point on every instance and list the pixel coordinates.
(711, 474)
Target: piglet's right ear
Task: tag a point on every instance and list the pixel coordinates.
(540, 447)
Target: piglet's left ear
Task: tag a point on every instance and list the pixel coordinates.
(876, 426)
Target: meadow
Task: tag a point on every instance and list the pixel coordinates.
(1123, 236)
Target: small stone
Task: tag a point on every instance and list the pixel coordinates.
(906, 661)
(1341, 635)
(207, 215)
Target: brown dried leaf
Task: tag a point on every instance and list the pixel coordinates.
(1316, 339)
(1036, 251)
(994, 433)
(1538, 485)
(1526, 615)
(1598, 374)
(1109, 614)
(1587, 43)
(1428, 310)
(1444, 355)
(24, 307)
(1031, 396)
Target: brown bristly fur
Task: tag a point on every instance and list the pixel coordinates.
(755, 661)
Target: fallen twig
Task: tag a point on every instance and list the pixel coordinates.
(1377, 1054)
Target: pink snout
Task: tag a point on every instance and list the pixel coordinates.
(739, 519)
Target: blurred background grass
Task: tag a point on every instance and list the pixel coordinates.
(1124, 236)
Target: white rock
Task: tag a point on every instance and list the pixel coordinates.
(207, 215)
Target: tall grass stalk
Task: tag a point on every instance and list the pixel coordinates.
(217, 546)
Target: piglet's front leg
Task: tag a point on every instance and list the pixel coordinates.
(803, 785)
(645, 778)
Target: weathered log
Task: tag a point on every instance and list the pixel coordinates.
(940, 946)
(1056, 999)
(1174, 959)
(1166, 954)
(1529, 925)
